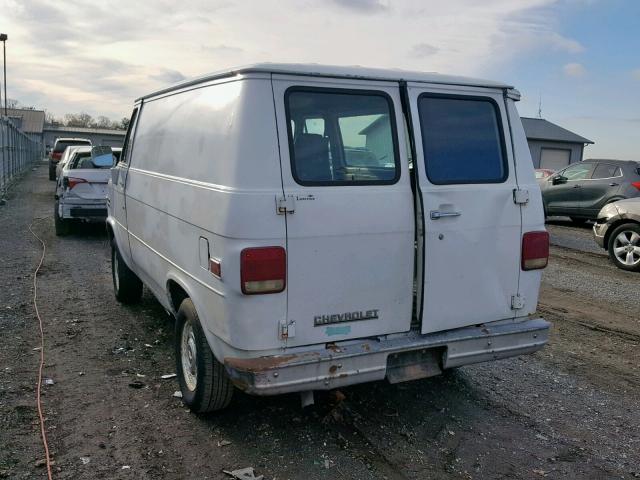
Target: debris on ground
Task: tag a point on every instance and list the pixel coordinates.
(244, 474)
(224, 443)
(49, 381)
(167, 376)
(85, 460)
(137, 384)
(177, 394)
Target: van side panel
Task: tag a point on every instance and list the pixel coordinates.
(532, 212)
(202, 183)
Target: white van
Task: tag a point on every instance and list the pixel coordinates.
(313, 227)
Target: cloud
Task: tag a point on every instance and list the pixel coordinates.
(422, 50)
(636, 73)
(168, 76)
(364, 6)
(574, 70)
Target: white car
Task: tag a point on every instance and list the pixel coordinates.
(81, 188)
(275, 211)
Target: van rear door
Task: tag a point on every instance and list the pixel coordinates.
(467, 178)
(350, 220)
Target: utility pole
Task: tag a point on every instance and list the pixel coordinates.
(3, 39)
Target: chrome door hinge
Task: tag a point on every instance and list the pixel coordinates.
(517, 302)
(285, 204)
(520, 197)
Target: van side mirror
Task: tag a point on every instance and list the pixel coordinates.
(559, 180)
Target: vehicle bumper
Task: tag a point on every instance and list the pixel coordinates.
(92, 212)
(599, 231)
(399, 358)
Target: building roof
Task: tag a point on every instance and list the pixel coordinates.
(99, 131)
(30, 121)
(541, 129)
(335, 71)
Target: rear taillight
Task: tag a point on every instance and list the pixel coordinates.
(263, 270)
(56, 155)
(535, 250)
(72, 182)
(636, 184)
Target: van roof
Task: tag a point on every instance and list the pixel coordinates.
(336, 71)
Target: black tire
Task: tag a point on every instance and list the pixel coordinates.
(628, 229)
(579, 221)
(126, 284)
(208, 387)
(52, 171)
(63, 227)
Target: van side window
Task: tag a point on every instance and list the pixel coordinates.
(125, 154)
(341, 137)
(462, 140)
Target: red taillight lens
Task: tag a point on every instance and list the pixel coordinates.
(535, 250)
(636, 184)
(263, 270)
(72, 182)
(56, 155)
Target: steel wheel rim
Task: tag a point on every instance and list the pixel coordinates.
(626, 248)
(189, 355)
(116, 278)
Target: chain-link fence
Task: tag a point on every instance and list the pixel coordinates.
(18, 152)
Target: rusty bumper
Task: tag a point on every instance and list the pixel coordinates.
(398, 357)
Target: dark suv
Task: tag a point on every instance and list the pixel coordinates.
(580, 190)
(58, 150)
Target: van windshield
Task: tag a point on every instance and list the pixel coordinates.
(341, 138)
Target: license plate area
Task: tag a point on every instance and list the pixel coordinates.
(413, 365)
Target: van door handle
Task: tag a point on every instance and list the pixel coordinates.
(435, 215)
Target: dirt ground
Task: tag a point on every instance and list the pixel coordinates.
(569, 411)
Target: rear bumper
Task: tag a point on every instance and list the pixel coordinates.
(93, 211)
(403, 357)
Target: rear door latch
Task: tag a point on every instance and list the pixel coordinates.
(285, 204)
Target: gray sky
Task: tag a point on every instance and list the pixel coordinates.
(73, 55)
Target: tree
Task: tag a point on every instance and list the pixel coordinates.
(104, 122)
(124, 123)
(51, 119)
(82, 120)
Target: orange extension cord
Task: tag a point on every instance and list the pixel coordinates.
(38, 396)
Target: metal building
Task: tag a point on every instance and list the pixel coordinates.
(552, 146)
(98, 136)
(28, 121)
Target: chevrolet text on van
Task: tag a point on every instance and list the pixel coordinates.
(312, 227)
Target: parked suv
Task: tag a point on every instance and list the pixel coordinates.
(582, 189)
(275, 212)
(59, 148)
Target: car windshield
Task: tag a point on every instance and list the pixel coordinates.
(60, 146)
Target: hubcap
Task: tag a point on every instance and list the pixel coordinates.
(626, 247)
(188, 354)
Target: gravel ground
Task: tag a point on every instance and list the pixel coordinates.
(565, 233)
(568, 411)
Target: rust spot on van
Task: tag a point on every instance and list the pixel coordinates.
(366, 347)
(333, 347)
(333, 369)
(259, 364)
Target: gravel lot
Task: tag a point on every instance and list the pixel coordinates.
(569, 411)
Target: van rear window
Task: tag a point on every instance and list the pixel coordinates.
(61, 146)
(341, 137)
(462, 140)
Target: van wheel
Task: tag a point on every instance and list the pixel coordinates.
(624, 247)
(62, 226)
(203, 380)
(126, 284)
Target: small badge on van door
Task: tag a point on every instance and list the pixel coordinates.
(320, 320)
